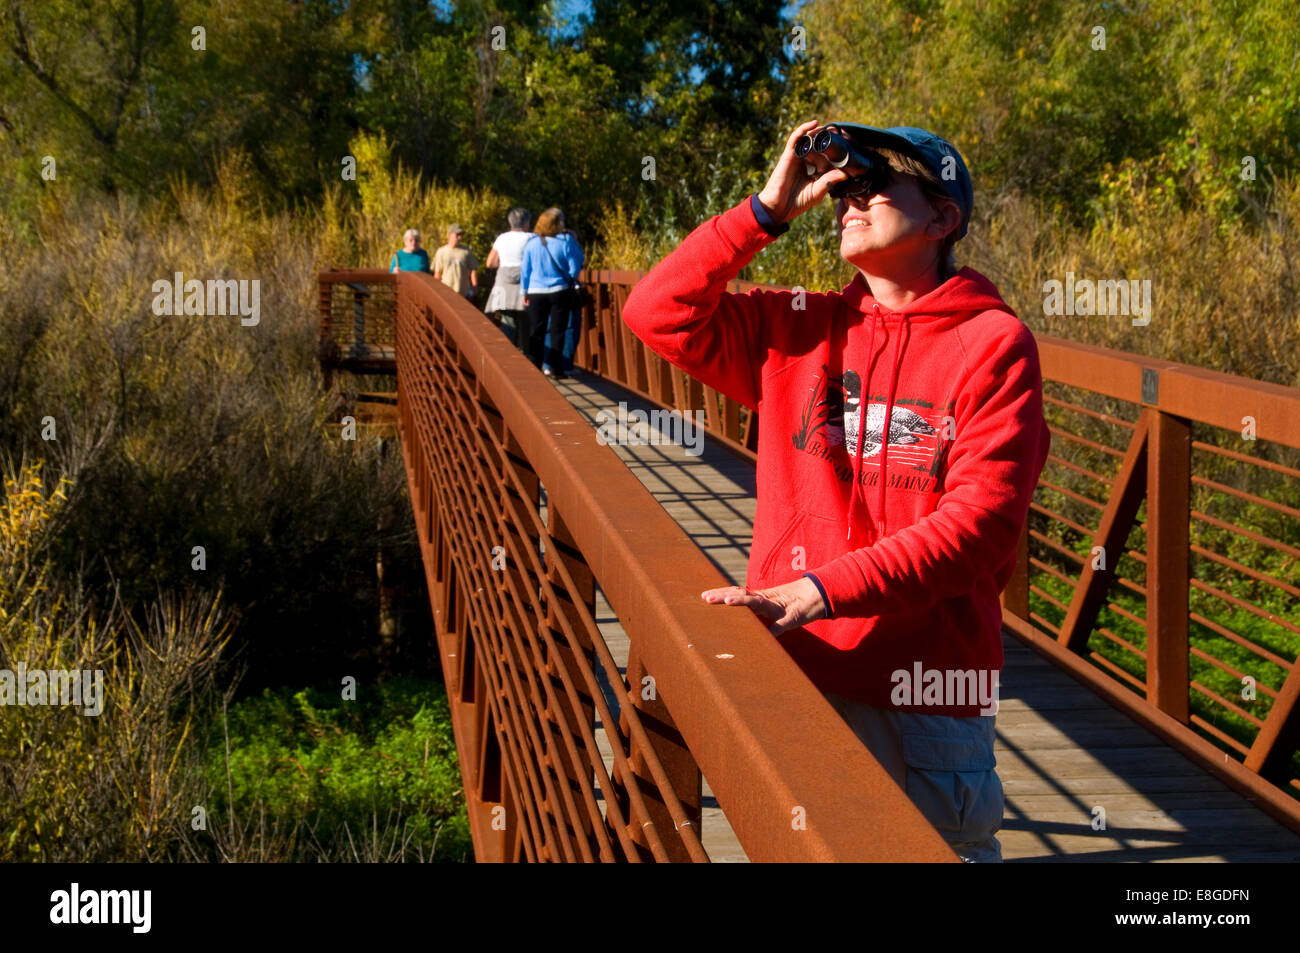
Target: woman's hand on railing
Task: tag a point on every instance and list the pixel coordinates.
(784, 607)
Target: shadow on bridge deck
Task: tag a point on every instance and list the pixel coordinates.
(1062, 751)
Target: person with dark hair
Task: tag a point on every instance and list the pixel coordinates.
(900, 440)
(549, 275)
(505, 303)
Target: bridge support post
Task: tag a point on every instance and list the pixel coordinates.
(751, 436)
(582, 356)
(598, 361)
(1168, 521)
(627, 368)
(359, 296)
(1015, 597)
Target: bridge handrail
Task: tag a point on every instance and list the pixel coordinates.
(793, 780)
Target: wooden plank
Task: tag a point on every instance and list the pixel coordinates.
(1033, 739)
(1152, 787)
(1032, 718)
(1120, 803)
(1027, 846)
(1078, 763)
(1155, 829)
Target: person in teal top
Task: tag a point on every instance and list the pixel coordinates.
(412, 257)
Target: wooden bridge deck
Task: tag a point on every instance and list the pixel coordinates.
(1062, 752)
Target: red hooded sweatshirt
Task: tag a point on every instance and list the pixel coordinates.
(911, 565)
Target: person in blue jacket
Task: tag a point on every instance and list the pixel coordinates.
(574, 329)
(549, 278)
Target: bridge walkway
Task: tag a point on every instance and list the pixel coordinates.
(1062, 751)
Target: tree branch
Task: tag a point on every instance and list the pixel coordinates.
(137, 62)
(23, 50)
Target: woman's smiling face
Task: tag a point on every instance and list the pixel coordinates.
(897, 223)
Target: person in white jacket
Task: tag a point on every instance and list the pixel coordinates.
(505, 303)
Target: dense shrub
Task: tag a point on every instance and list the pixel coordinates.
(375, 779)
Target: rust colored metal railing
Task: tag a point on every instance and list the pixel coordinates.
(1164, 514)
(522, 517)
(1161, 562)
(1118, 530)
(609, 348)
(358, 318)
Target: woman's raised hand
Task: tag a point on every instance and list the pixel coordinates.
(789, 191)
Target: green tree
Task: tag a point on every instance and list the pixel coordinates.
(489, 94)
(125, 93)
(1046, 96)
(702, 85)
(74, 77)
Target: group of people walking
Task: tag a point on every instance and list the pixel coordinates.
(535, 299)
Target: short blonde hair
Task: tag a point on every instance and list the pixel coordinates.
(410, 233)
(550, 222)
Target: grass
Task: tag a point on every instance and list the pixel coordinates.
(165, 774)
(130, 438)
(375, 779)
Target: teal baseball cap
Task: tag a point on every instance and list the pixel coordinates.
(938, 155)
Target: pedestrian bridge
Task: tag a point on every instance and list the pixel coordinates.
(602, 711)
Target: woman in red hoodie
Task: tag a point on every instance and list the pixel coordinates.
(901, 435)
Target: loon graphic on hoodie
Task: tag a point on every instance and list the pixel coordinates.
(911, 530)
(842, 419)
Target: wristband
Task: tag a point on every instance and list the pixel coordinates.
(822, 589)
(765, 220)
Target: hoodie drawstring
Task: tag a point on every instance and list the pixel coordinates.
(905, 328)
(854, 494)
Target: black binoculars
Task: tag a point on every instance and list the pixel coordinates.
(868, 171)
